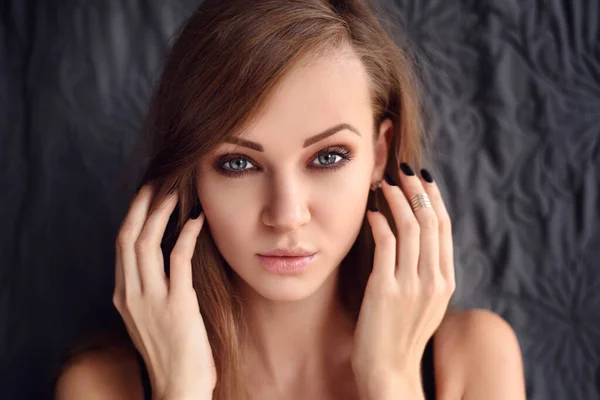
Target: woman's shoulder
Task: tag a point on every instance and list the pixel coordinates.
(110, 372)
(465, 333)
(469, 346)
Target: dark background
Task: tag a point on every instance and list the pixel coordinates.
(514, 91)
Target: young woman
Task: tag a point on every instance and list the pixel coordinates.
(285, 120)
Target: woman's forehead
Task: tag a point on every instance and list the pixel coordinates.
(312, 99)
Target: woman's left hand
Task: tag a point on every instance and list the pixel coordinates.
(407, 296)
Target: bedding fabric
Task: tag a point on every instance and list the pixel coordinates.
(513, 89)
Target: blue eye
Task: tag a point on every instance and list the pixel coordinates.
(328, 157)
(235, 165)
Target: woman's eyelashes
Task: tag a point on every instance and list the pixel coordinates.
(329, 159)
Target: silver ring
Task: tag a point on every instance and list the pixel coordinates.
(420, 200)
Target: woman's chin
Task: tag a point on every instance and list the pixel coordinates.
(286, 290)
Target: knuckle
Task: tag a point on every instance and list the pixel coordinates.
(383, 287)
(432, 288)
(450, 286)
(117, 301)
(429, 221)
(129, 302)
(177, 257)
(437, 286)
(388, 241)
(411, 286)
(410, 226)
(125, 237)
(444, 223)
(388, 291)
(142, 246)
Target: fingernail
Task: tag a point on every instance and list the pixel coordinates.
(373, 207)
(426, 175)
(389, 179)
(196, 210)
(406, 169)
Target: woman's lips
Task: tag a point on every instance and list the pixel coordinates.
(286, 265)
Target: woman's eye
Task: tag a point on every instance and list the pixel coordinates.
(334, 157)
(327, 158)
(237, 164)
(330, 158)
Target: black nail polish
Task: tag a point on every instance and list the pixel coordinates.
(373, 207)
(389, 179)
(426, 175)
(406, 169)
(196, 210)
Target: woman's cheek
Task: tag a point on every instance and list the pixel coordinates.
(342, 205)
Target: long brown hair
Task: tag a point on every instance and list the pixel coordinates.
(219, 75)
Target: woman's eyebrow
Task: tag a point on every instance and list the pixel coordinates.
(311, 140)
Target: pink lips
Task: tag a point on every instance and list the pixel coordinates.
(286, 265)
(288, 252)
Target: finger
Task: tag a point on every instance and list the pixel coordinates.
(148, 250)
(182, 253)
(444, 228)
(429, 255)
(384, 260)
(408, 233)
(128, 234)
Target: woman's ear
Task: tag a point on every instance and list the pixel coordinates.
(382, 148)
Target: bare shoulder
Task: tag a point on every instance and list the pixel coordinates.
(110, 373)
(477, 355)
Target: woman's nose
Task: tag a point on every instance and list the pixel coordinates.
(286, 208)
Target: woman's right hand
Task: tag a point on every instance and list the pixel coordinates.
(162, 315)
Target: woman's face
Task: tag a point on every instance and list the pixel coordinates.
(296, 191)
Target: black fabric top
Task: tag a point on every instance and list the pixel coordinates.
(426, 373)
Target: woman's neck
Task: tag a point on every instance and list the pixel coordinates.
(288, 343)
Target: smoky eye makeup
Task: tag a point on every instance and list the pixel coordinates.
(328, 159)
